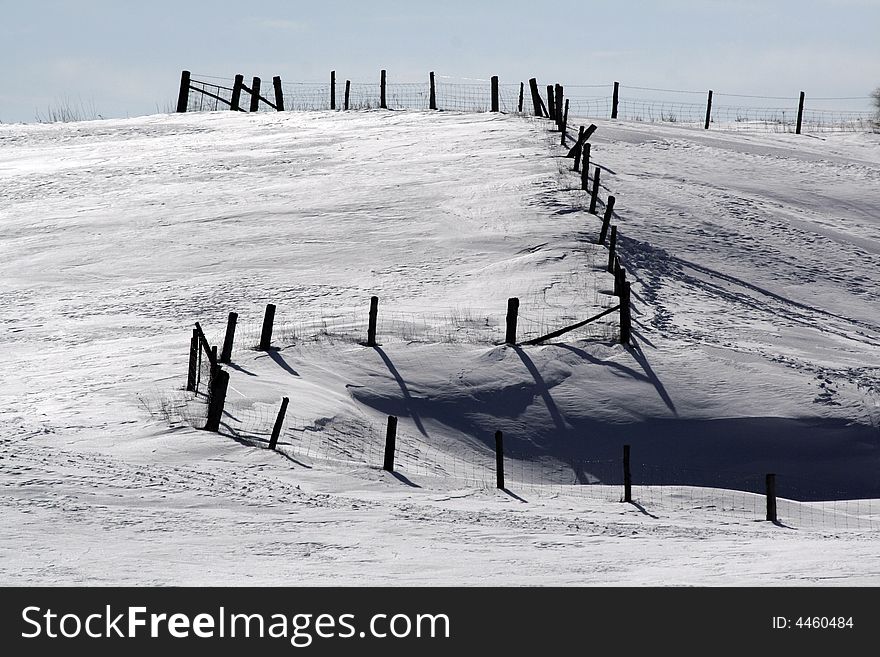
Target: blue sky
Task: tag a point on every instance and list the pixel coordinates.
(124, 58)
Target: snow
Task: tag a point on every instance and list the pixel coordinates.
(754, 260)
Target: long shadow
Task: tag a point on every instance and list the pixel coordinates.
(513, 495)
(542, 389)
(404, 480)
(292, 460)
(239, 368)
(644, 510)
(639, 355)
(644, 339)
(279, 360)
(253, 441)
(407, 397)
(606, 363)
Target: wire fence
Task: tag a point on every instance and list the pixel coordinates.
(728, 111)
(595, 101)
(658, 491)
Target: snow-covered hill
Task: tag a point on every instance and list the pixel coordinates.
(754, 262)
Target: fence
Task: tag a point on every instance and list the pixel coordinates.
(657, 490)
(654, 489)
(632, 103)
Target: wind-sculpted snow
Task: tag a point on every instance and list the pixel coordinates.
(754, 263)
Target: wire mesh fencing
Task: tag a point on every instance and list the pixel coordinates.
(661, 491)
(729, 111)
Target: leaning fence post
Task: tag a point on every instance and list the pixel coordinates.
(371, 326)
(494, 89)
(536, 96)
(519, 106)
(279, 94)
(333, 90)
(612, 246)
(390, 443)
(499, 460)
(625, 312)
(770, 485)
(183, 94)
(345, 104)
(551, 107)
(614, 100)
(268, 321)
(217, 400)
(226, 354)
(595, 195)
(585, 167)
(236, 93)
(606, 219)
(279, 422)
(708, 110)
(627, 476)
(512, 312)
(382, 102)
(578, 148)
(193, 363)
(800, 118)
(432, 93)
(255, 95)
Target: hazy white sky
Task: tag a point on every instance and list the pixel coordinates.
(124, 58)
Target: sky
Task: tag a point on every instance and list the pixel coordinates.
(117, 59)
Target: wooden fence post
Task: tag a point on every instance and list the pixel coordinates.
(614, 100)
(564, 122)
(279, 94)
(551, 108)
(512, 313)
(226, 354)
(390, 443)
(333, 90)
(585, 167)
(536, 96)
(371, 327)
(432, 93)
(606, 219)
(557, 104)
(627, 476)
(217, 400)
(499, 460)
(255, 95)
(770, 484)
(193, 362)
(494, 89)
(612, 247)
(215, 365)
(595, 195)
(708, 110)
(619, 277)
(235, 101)
(522, 88)
(578, 149)
(625, 313)
(183, 94)
(268, 321)
(382, 102)
(347, 94)
(279, 422)
(800, 118)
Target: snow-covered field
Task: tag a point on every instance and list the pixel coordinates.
(755, 262)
